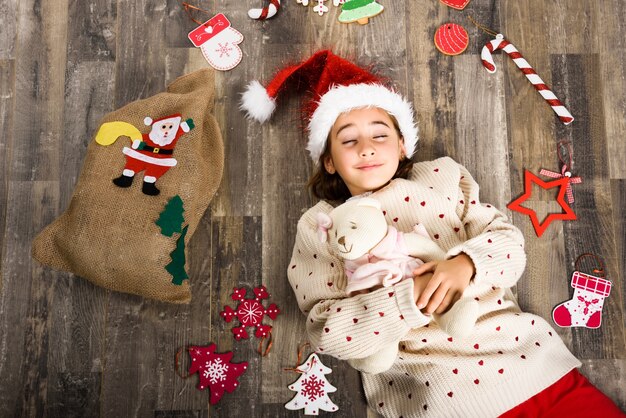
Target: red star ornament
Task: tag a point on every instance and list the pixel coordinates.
(561, 183)
(215, 370)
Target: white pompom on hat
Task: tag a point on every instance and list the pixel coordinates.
(338, 86)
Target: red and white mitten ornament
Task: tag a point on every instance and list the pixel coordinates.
(219, 42)
(584, 309)
(312, 388)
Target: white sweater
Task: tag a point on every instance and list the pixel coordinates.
(510, 356)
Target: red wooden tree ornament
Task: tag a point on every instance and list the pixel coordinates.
(540, 227)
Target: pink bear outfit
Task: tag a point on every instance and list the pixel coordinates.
(385, 264)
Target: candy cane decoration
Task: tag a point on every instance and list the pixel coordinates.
(531, 75)
(266, 12)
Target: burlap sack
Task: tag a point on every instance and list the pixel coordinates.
(109, 234)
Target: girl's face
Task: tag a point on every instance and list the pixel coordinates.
(365, 149)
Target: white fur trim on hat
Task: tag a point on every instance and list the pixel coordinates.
(257, 103)
(340, 99)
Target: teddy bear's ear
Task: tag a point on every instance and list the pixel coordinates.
(324, 222)
(368, 201)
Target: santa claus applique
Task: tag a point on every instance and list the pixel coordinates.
(151, 152)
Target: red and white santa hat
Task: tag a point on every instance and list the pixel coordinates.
(338, 86)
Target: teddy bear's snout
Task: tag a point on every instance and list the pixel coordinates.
(342, 242)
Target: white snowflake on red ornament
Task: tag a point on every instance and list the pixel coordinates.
(250, 313)
(215, 370)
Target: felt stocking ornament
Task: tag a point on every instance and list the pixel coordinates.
(584, 309)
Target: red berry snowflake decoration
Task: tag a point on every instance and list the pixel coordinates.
(250, 313)
(215, 370)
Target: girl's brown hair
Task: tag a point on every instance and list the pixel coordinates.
(328, 186)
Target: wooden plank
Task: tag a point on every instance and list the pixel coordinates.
(529, 118)
(76, 338)
(179, 24)
(243, 141)
(40, 75)
(8, 34)
(570, 26)
(592, 231)
(91, 33)
(609, 42)
(431, 78)
(618, 195)
(140, 56)
(481, 140)
(26, 296)
(7, 100)
(25, 301)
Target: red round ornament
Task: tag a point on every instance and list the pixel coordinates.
(451, 39)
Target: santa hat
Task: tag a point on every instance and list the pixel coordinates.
(338, 86)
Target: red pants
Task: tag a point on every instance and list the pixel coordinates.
(571, 396)
(153, 170)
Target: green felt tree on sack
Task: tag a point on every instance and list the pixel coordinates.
(359, 11)
(171, 219)
(177, 266)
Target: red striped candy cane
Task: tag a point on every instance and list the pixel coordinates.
(531, 75)
(266, 12)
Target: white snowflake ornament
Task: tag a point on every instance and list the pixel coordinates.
(312, 388)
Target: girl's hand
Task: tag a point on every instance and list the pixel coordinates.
(419, 285)
(449, 280)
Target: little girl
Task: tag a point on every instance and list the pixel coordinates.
(362, 136)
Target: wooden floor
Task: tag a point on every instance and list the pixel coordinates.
(70, 349)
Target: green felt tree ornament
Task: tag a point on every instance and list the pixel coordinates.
(171, 219)
(177, 266)
(359, 11)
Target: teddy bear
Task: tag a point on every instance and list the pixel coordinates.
(376, 255)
